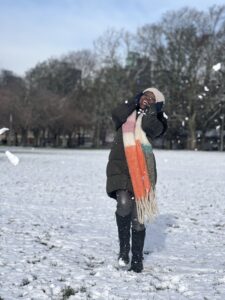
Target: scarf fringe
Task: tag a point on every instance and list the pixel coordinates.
(147, 208)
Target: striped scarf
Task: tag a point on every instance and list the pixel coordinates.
(140, 161)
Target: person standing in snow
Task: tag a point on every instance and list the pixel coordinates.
(131, 170)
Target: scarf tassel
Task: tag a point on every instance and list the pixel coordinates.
(147, 207)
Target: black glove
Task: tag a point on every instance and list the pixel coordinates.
(137, 98)
(159, 106)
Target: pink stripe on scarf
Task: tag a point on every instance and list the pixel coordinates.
(129, 125)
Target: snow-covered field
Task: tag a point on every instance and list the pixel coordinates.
(58, 233)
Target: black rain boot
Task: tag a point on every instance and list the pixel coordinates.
(138, 239)
(124, 224)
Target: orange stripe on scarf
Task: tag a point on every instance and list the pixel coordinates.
(134, 171)
(143, 168)
(138, 170)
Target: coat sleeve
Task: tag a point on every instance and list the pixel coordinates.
(122, 111)
(153, 123)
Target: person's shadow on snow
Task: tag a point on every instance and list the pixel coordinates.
(156, 233)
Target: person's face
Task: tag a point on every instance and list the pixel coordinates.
(147, 99)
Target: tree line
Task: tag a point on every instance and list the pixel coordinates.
(67, 101)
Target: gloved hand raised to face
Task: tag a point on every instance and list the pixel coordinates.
(137, 98)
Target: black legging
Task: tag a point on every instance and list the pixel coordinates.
(126, 205)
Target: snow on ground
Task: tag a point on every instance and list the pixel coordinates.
(58, 232)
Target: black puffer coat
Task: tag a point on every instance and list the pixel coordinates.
(154, 124)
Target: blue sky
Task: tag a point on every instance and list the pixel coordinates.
(34, 30)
